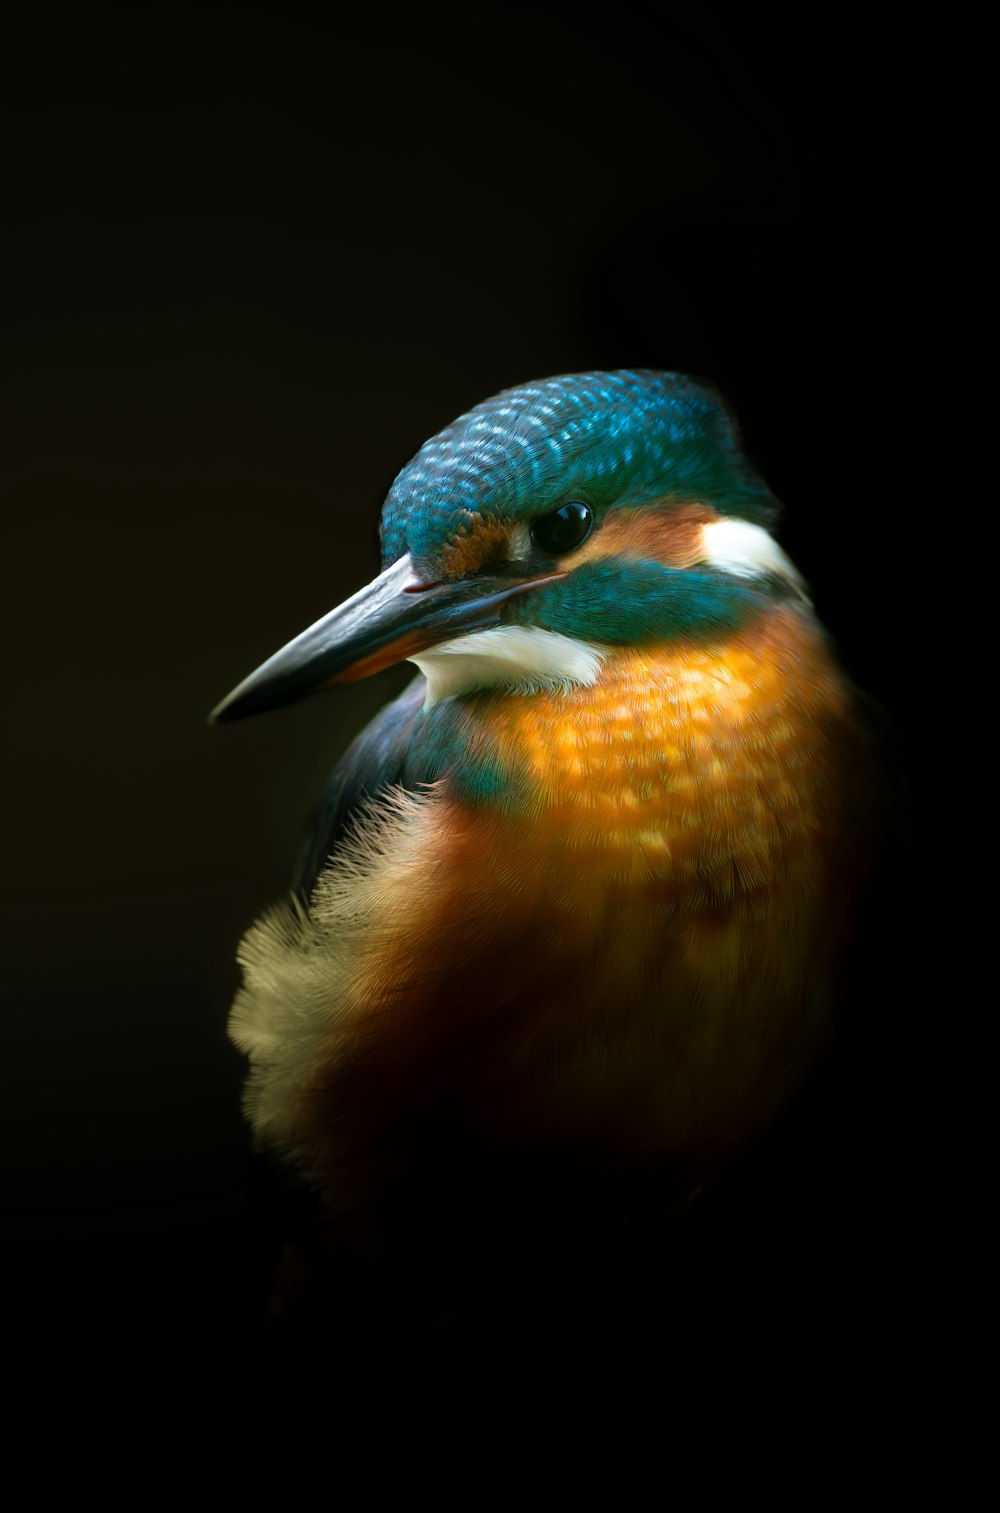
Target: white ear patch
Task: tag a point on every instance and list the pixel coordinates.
(521, 658)
(736, 546)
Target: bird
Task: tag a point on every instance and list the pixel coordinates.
(576, 908)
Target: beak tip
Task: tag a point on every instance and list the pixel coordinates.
(232, 707)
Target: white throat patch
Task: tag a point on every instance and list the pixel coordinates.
(521, 658)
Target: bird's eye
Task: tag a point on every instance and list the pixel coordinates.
(565, 528)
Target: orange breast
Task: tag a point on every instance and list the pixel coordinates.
(641, 966)
(708, 768)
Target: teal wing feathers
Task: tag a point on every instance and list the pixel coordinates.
(382, 756)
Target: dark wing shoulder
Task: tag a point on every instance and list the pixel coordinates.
(380, 757)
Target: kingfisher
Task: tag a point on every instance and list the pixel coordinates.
(579, 901)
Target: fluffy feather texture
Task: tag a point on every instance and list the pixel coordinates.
(679, 900)
(606, 921)
(299, 964)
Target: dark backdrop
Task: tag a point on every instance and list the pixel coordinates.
(253, 263)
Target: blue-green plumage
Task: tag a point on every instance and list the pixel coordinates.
(582, 890)
(595, 443)
(614, 602)
(610, 438)
(408, 747)
(628, 602)
(622, 440)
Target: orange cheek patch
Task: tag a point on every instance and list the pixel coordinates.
(482, 547)
(670, 534)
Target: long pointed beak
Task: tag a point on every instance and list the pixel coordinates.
(395, 617)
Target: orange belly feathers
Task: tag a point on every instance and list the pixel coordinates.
(637, 964)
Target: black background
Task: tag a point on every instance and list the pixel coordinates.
(253, 262)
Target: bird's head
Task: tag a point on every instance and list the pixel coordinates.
(541, 529)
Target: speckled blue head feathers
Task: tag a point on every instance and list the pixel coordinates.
(610, 438)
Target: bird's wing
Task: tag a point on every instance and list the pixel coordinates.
(379, 758)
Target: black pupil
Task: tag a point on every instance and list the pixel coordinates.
(565, 528)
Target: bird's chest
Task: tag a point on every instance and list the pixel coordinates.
(700, 778)
(635, 951)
